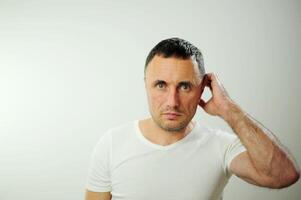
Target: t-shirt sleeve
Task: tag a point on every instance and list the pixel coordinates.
(98, 179)
(231, 146)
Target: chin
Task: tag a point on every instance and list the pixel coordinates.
(173, 125)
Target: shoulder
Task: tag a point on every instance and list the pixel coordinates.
(115, 134)
(117, 130)
(122, 129)
(212, 131)
(221, 133)
(221, 136)
(120, 133)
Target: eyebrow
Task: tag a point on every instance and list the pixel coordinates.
(180, 83)
(186, 83)
(156, 82)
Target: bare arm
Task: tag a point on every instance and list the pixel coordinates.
(97, 195)
(266, 162)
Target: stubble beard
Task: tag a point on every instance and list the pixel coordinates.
(172, 129)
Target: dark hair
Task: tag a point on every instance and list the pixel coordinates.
(179, 48)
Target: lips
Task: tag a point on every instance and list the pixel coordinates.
(171, 115)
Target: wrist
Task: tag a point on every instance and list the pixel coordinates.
(232, 113)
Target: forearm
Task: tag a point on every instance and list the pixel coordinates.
(268, 156)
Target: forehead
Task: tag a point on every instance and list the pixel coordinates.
(172, 69)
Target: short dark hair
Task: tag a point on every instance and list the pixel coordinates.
(179, 48)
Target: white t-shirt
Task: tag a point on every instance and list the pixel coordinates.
(133, 168)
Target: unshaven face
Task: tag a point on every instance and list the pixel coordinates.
(173, 87)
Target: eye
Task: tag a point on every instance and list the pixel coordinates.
(160, 85)
(185, 87)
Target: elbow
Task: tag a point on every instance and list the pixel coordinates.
(293, 178)
(285, 181)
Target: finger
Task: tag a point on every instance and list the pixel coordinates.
(212, 77)
(209, 76)
(221, 86)
(215, 81)
(202, 103)
(207, 81)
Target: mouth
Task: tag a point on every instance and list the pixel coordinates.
(171, 115)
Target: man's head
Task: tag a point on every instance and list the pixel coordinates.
(179, 48)
(174, 71)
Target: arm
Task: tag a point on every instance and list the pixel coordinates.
(269, 164)
(99, 171)
(97, 195)
(266, 162)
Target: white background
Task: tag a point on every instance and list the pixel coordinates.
(69, 70)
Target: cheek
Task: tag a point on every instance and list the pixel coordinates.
(190, 102)
(155, 100)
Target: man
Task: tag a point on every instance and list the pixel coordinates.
(170, 156)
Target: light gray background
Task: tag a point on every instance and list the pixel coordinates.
(69, 70)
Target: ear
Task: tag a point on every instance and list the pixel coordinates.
(203, 84)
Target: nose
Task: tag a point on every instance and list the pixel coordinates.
(172, 98)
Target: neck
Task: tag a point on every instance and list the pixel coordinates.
(160, 136)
